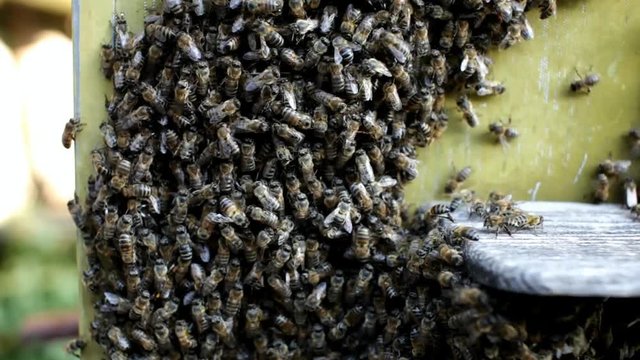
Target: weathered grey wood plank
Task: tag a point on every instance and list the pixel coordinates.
(583, 250)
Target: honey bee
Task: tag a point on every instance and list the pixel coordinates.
(391, 96)
(636, 211)
(229, 209)
(362, 197)
(497, 223)
(296, 7)
(585, 84)
(547, 8)
(465, 106)
(465, 232)
(470, 296)
(503, 133)
(71, 130)
(286, 325)
(118, 338)
(614, 168)
(233, 301)
(253, 316)
(288, 134)
(457, 180)
(263, 216)
(289, 57)
(340, 217)
(144, 340)
(316, 296)
(75, 347)
(185, 339)
(489, 87)
(350, 20)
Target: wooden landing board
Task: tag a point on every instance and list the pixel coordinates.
(583, 250)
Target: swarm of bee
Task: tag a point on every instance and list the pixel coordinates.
(247, 199)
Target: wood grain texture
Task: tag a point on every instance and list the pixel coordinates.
(583, 250)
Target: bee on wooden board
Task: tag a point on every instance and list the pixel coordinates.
(584, 84)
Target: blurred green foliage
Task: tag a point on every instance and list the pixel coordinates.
(37, 274)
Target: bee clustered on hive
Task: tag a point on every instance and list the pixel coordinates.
(248, 199)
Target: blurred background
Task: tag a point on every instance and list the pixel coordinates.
(39, 303)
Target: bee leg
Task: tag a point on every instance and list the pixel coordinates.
(507, 230)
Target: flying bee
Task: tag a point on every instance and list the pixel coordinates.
(71, 130)
(547, 8)
(585, 84)
(465, 106)
(457, 180)
(601, 192)
(631, 194)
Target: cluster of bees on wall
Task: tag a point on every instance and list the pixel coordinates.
(247, 200)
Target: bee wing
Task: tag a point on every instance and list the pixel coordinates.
(220, 219)
(155, 204)
(113, 299)
(387, 181)
(400, 57)
(203, 252)
(527, 31)
(367, 88)
(621, 166)
(631, 196)
(336, 56)
(234, 4)
(464, 64)
(348, 225)
(290, 99)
